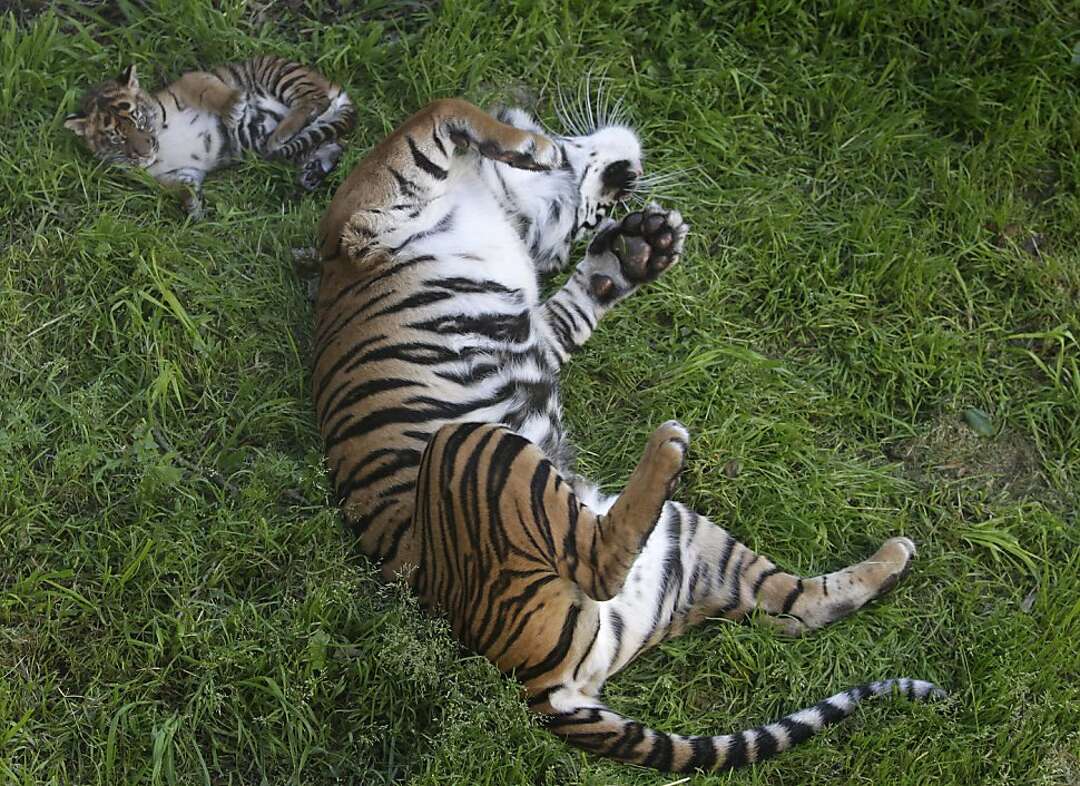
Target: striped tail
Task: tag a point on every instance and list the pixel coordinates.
(606, 733)
(334, 122)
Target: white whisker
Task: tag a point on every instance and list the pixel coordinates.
(617, 112)
(588, 103)
(589, 107)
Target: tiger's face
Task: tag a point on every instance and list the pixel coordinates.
(603, 163)
(607, 165)
(118, 122)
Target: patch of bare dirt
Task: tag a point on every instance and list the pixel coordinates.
(1006, 464)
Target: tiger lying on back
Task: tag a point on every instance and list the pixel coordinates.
(437, 392)
(203, 121)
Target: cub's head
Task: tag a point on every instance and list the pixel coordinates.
(117, 121)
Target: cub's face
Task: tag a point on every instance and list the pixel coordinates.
(117, 122)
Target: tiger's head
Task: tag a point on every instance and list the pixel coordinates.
(602, 160)
(118, 122)
(606, 164)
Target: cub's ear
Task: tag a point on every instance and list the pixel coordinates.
(129, 78)
(76, 122)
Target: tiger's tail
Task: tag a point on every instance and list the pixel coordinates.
(331, 124)
(604, 732)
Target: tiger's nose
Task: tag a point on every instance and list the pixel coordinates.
(619, 176)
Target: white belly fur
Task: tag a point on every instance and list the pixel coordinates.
(191, 139)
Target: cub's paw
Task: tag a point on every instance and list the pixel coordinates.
(317, 165)
(192, 203)
(645, 243)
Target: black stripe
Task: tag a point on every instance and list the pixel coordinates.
(588, 649)
(558, 652)
(766, 744)
(632, 735)
(471, 286)
(736, 752)
(407, 186)
(436, 140)
(829, 712)
(762, 578)
(792, 596)
(797, 731)
(725, 555)
(703, 754)
(661, 754)
(410, 413)
(358, 393)
(424, 162)
(401, 460)
(320, 382)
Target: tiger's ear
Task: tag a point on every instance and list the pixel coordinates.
(129, 78)
(76, 122)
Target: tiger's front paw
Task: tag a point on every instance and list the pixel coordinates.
(532, 151)
(645, 243)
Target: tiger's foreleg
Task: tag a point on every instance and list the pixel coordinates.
(411, 167)
(622, 257)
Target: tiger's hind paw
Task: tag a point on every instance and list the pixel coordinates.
(666, 451)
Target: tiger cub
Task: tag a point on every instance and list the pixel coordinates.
(205, 120)
(436, 387)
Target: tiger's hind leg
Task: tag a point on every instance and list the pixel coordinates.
(691, 569)
(506, 551)
(411, 168)
(595, 552)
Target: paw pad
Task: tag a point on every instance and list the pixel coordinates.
(647, 243)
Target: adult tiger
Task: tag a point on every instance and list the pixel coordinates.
(436, 388)
(206, 120)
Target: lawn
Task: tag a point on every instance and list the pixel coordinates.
(874, 331)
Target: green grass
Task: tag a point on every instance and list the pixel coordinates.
(864, 182)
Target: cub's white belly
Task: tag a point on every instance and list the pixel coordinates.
(190, 139)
